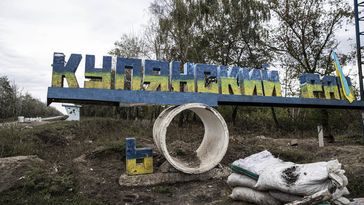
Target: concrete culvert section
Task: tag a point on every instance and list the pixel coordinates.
(213, 146)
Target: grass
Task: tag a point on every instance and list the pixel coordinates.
(101, 138)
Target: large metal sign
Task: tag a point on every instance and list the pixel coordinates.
(138, 82)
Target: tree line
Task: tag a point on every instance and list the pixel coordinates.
(14, 103)
(295, 36)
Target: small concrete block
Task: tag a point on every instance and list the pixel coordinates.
(134, 168)
(294, 142)
(138, 160)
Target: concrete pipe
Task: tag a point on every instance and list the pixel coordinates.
(213, 146)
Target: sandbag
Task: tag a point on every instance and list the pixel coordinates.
(284, 197)
(258, 162)
(340, 192)
(300, 179)
(341, 201)
(253, 196)
(240, 180)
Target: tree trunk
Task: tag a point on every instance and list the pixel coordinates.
(234, 114)
(278, 126)
(325, 124)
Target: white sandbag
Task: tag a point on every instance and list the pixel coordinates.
(341, 201)
(284, 197)
(299, 179)
(240, 180)
(253, 196)
(258, 162)
(340, 192)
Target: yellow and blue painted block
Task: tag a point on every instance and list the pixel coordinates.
(228, 77)
(182, 81)
(98, 77)
(138, 160)
(206, 79)
(331, 88)
(65, 71)
(271, 84)
(156, 75)
(311, 86)
(251, 82)
(134, 66)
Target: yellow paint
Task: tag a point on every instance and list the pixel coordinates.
(311, 91)
(58, 78)
(341, 91)
(272, 88)
(134, 168)
(120, 82)
(232, 83)
(103, 83)
(155, 82)
(252, 87)
(212, 88)
(332, 92)
(189, 87)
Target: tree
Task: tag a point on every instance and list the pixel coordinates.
(223, 32)
(130, 46)
(7, 98)
(306, 32)
(305, 35)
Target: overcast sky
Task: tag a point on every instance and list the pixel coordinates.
(30, 31)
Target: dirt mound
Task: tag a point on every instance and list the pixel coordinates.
(14, 170)
(184, 152)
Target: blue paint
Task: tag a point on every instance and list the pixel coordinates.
(170, 98)
(265, 75)
(132, 152)
(273, 76)
(71, 65)
(233, 72)
(243, 74)
(151, 66)
(123, 63)
(223, 71)
(176, 74)
(205, 70)
(228, 72)
(90, 64)
(329, 81)
(310, 78)
(255, 74)
(129, 96)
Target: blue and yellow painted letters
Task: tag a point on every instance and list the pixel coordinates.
(331, 88)
(311, 86)
(182, 82)
(98, 77)
(251, 82)
(228, 77)
(156, 75)
(62, 71)
(271, 84)
(128, 74)
(138, 160)
(206, 78)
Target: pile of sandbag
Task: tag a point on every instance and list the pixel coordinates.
(263, 179)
